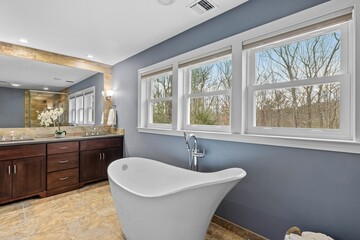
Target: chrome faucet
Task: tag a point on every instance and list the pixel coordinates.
(12, 136)
(194, 152)
(93, 131)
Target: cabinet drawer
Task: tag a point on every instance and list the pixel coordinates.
(22, 151)
(62, 161)
(62, 147)
(101, 143)
(62, 178)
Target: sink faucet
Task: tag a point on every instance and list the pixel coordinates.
(12, 136)
(194, 152)
(93, 131)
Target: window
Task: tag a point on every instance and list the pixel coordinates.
(207, 91)
(82, 107)
(292, 82)
(159, 97)
(300, 86)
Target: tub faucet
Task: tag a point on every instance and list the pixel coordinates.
(194, 152)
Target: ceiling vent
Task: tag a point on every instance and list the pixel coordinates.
(202, 6)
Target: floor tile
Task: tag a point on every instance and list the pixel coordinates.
(84, 214)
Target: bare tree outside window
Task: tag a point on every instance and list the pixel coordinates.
(161, 87)
(211, 110)
(308, 106)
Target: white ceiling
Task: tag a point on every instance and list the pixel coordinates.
(110, 30)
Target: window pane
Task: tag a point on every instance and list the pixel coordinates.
(214, 110)
(314, 106)
(162, 112)
(310, 58)
(161, 87)
(211, 77)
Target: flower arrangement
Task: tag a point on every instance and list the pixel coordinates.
(48, 117)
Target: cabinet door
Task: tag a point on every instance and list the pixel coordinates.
(110, 154)
(28, 176)
(5, 180)
(90, 165)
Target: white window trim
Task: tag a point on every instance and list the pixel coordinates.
(83, 93)
(151, 100)
(346, 124)
(239, 98)
(187, 96)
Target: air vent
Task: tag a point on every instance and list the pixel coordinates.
(202, 6)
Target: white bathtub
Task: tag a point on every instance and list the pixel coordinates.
(157, 201)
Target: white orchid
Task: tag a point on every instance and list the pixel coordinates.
(49, 117)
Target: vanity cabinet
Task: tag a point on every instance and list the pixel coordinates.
(22, 171)
(96, 155)
(62, 167)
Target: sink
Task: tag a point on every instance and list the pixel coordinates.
(17, 140)
(95, 135)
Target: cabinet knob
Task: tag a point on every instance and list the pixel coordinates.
(9, 170)
(62, 148)
(63, 178)
(63, 161)
(14, 169)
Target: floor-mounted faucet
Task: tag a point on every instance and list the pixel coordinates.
(194, 152)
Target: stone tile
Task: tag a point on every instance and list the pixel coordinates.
(11, 219)
(10, 207)
(45, 223)
(83, 214)
(14, 232)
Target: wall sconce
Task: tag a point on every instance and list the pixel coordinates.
(108, 94)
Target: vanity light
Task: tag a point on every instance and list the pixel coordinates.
(15, 84)
(23, 40)
(90, 56)
(108, 94)
(45, 88)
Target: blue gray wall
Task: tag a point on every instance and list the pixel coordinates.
(96, 80)
(12, 105)
(315, 190)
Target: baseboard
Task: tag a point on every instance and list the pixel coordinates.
(238, 230)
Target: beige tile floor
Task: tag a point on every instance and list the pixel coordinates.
(83, 214)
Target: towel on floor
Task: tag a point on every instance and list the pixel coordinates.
(308, 236)
(111, 118)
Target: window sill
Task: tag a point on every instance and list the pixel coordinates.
(305, 143)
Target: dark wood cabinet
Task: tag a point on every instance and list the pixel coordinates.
(110, 155)
(96, 156)
(5, 180)
(90, 165)
(22, 172)
(46, 169)
(28, 176)
(62, 167)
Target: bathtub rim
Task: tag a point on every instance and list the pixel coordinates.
(237, 177)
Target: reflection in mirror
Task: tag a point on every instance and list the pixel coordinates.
(18, 75)
(40, 101)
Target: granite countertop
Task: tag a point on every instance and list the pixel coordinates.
(53, 139)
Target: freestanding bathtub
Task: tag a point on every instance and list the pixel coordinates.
(157, 201)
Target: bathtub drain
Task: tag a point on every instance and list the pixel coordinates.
(124, 167)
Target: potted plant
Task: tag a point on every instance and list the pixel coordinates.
(48, 117)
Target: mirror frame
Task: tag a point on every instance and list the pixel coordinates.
(64, 60)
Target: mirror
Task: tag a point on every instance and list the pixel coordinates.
(18, 75)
